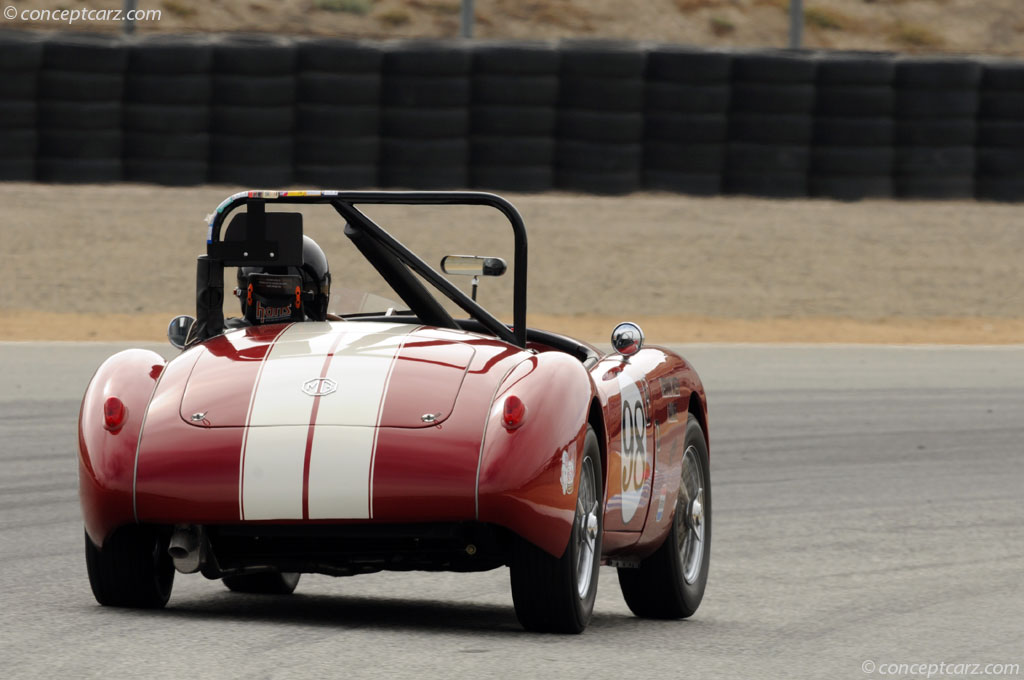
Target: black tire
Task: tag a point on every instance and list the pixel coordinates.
(847, 70)
(859, 101)
(80, 144)
(171, 55)
(936, 187)
(427, 58)
(854, 131)
(181, 147)
(602, 94)
(513, 178)
(777, 184)
(425, 177)
(937, 132)
(768, 158)
(80, 115)
(337, 121)
(84, 87)
(337, 176)
(1000, 188)
(515, 151)
(763, 67)
(850, 187)
(771, 128)
(268, 150)
(348, 89)
(556, 594)
(332, 55)
(600, 126)
(255, 55)
(1000, 162)
(675, 127)
(21, 85)
(669, 584)
(688, 158)
(410, 153)
(611, 183)
(413, 91)
(851, 160)
(1005, 105)
(675, 64)
(165, 172)
(250, 175)
(516, 58)
(424, 123)
(168, 89)
(91, 54)
(935, 103)
(155, 118)
(511, 90)
(598, 158)
(18, 144)
(606, 58)
(937, 72)
(257, 91)
(79, 170)
(673, 98)
(21, 51)
(513, 121)
(17, 169)
(132, 569)
(252, 120)
(785, 98)
(693, 183)
(1009, 133)
(16, 115)
(950, 161)
(267, 583)
(320, 150)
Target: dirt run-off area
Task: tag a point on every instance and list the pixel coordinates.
(117, 262)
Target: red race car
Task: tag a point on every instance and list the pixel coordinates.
(292, 440)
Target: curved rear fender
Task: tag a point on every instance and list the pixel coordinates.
(523, 479)
(106, 460)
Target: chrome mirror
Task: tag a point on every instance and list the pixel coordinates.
(473, 265)
(627, 339)
(177, 331)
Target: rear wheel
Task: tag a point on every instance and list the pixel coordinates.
(267, 583)
(557, 594)
(670, 583)
(132, 569)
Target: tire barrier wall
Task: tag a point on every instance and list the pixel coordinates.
(601, 117)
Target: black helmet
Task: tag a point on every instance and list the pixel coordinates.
(276, 294)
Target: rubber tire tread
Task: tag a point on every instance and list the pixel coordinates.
(18, 144)
(936, 103)
(79, 170)
(512, 90)
(611, 183)
(513, 121)
(702, 159)
(850, 187)
(125, 574)
(598, 158)
(80, 115)
(943, 73)
(517, 59)
(168, 89)
(765, 67)
(256, 91)
(427, 58)
(936, 132)
(165, 172)
(644, 588)
(854, 131)
(251, 120)
(513, 178)
(18, 85)
(507, 151)
(88, 54)
(602, 94)
(692, 183)
(20, 51)
(326, 151)
(606, 58)
(673, 98)
(171, 55)
(158, 146)
(544, 588)
(783, 98)
(347, 89)
(18, 114)
(80, 144)
(337, 176)
(88, 87)
(251, 175)
(851, 70)
(600, 126)
(255, 56)
(855, 101)
(771, 128)
(414, 91)
(337, 121)
(159, 118)
(424, 123)
(265, 150)
(700, 128)
(332, 55)
(675, 64)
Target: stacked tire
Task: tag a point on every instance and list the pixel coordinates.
(253, 113)
(935, 109)
(1000, 141)
(425, 116)
(600, 130)
(167, 111)
(686, 120)
(20, 59)
(513, 116)
(81, 87)
(337, 131)
(852, 157)
(771, 124)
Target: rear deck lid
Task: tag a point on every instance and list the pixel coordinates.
(328, 373)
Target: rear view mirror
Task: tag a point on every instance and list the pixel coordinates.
(177, 331)
(473, 265)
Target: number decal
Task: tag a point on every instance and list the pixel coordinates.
(633, 447)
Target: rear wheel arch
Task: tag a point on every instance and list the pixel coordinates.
(696, 407)
(595, 418)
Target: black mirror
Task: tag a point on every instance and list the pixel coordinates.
(178, 330)
(473, 265)
(627, 339)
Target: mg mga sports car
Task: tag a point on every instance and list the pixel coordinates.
(296, 441)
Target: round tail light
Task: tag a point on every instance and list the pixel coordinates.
(114, 413)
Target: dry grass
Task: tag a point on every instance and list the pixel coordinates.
(394, 17)
(721, 26)
(828, 19)
(178, 8)
(915, 36)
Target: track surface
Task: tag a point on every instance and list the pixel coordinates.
(867, 507)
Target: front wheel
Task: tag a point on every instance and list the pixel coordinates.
(556, 595)
(670, 583)
(132, 569)
(266, 583)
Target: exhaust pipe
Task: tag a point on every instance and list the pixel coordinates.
(186, 548)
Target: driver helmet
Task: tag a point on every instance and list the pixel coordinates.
(280, 294)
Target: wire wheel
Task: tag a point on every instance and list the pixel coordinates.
(689, 523)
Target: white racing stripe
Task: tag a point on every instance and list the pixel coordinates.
(274, 451)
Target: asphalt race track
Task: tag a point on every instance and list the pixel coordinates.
(868, 509)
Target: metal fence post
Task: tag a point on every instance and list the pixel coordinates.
(796, 24)
(129, 24)
(467, 19)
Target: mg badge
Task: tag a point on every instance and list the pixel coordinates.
(319, 387)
